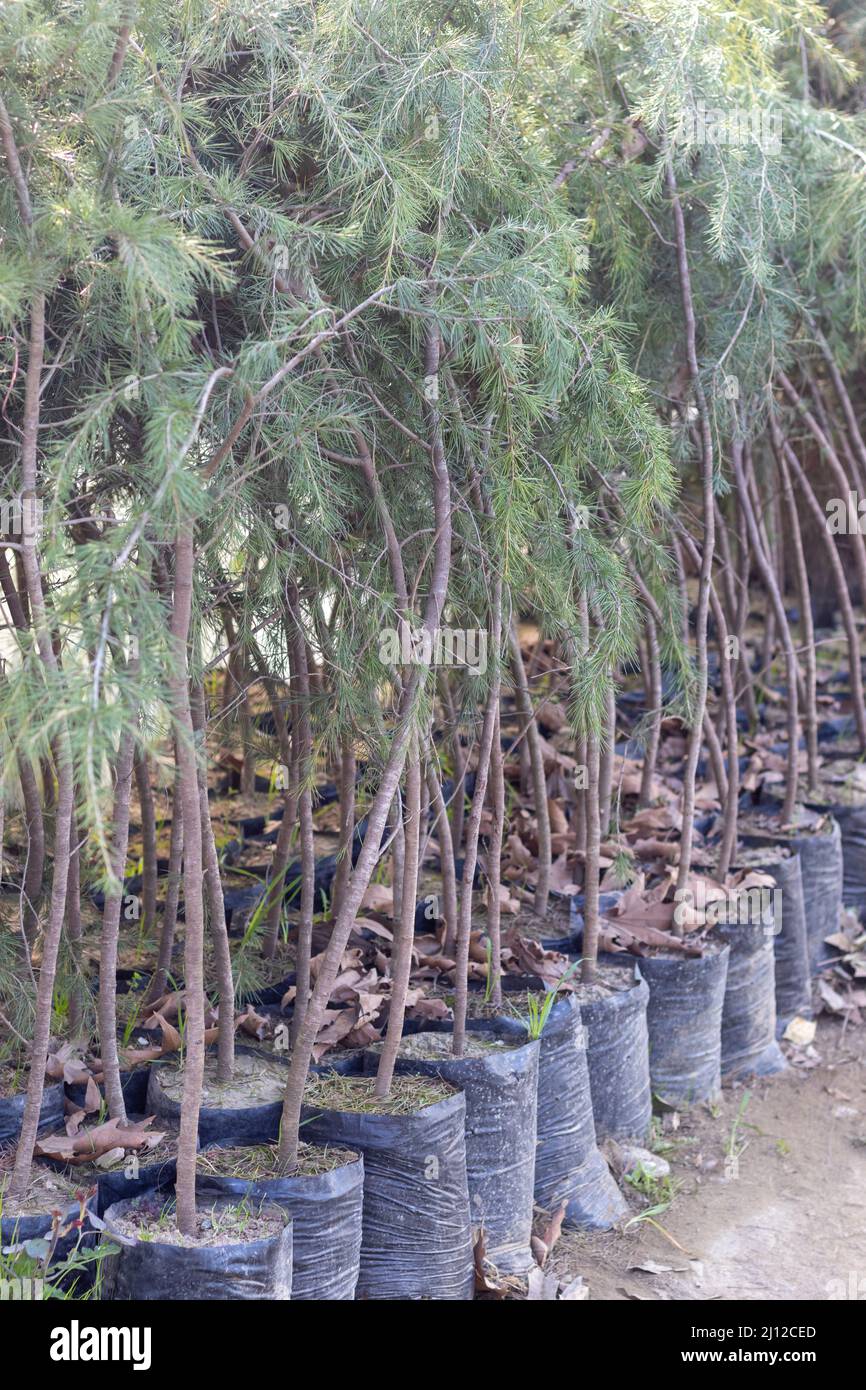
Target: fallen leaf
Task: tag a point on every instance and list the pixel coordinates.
(89, 1144)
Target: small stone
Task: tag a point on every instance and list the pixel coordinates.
(110, 1157)
(635, 1158)
(800, 1031)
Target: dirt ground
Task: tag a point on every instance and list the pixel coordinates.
(770, 1205)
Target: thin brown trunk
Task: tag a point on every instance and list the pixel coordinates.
(529, 730)
(361, 874)
(301, 684)
(458, 800)
(607, 754)
(589, 953)
(494, 858)
(473, 828)
(63, 753)
(73, 930)
(843, 482)
(215, 904)
(193, 870)
(398, 859)
(34, 822)
(288, 824)
(854, 432)
(653, 685)
(347, 822)
(804, 597)
(729, 787)
(110, 933)
(330, 965)
(148, 847)
(708, 509)
(764, 563)
(159, 979)
(401, 955)
(447, 866)
(845, 606)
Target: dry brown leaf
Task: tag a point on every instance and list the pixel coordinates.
(378, 898)
(87, 1144)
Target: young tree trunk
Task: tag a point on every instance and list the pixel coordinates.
(405, 724)
(589, 953)
(843, 482)
(160, 975)
(607, 753)
(148, 842)
(729, 787)
(63, 752)
(707, 471)
(193, 870)
(34, 864)
(73, 930)
(215, 902)
(401, 955)
(34, 822)
(854, 432)
(111, 929)
(398, 855)
(355, 890)
(301, 683)
(539, 781)
(347, 822)
(446, 857)
(653, 684)
(288, 824)
(747, 687)
(842, 593)
(494, 858)
(765, 566)
(473, 828)
(458, 799)
(804, 597)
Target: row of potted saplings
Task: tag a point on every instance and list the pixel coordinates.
(391, 1193)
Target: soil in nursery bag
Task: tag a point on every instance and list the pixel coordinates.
(569, 1168)
(324, 1195)
(246, 1109)
(50, 1202)
(240, 1251)
(614, 1013)
(417, 1234)
(118, 1176)
(684, 1023)
(790, 941)
(555, 929)
(499, 1076)
(13, 1098)
(822, 870)
(749, 1046)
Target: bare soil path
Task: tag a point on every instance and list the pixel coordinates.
(786, 1220)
